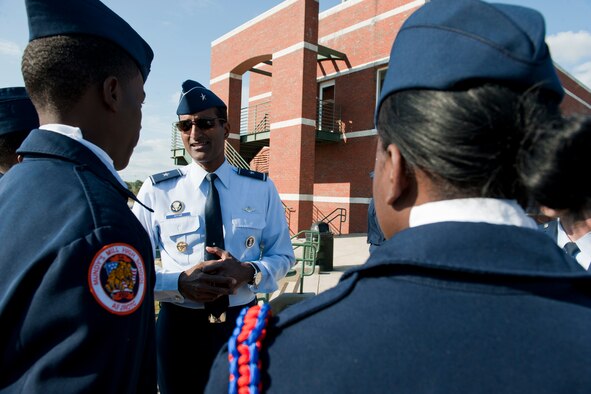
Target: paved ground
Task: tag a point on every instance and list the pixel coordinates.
(348, 251)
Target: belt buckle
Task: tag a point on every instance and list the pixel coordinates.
(217, 320)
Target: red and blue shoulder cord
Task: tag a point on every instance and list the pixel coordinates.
(244, 348)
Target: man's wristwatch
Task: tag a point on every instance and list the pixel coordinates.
(257, 277)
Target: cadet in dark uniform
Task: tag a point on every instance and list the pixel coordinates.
(76, 272)
(571, 227)
(466, 295)
(252, 253)
(572, 232)
(17, 118)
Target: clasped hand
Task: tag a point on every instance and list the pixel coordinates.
(211, 279)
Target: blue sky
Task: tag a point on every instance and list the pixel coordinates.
(181, 31)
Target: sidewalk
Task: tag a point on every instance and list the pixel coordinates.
(348, 251)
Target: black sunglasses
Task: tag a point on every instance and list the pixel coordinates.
(202, 123)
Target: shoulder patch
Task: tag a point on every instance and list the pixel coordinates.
(166, 175)
(252, 174)
(117, 278)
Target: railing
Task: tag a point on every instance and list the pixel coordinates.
(234, 157)
(178, 151)
(306, 245)
(328, 116)
(288, 211)
(255, 118)
(176, 141)
(337, 213)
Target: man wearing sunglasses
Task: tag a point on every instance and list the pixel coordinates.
(196, 315)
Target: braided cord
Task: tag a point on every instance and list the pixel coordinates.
(244, 348)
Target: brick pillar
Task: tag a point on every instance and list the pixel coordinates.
(293, 115)
(230, 91)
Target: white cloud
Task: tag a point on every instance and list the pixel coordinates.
(583, 73)
(570, 48)
(9, 48)
(572, 51)
(153, 152)
(150, 157)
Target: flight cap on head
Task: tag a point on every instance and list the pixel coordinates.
(196, 98)
(17, 112)
(89, 17)
(448, 44)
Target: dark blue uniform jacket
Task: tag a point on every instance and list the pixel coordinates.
(440, 308)
(59, 208)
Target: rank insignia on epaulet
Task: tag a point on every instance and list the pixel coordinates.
(252, 174)
(166, 175)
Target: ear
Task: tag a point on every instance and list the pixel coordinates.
(552, 213)
(111, 93)
(226, 130)
(397, 177)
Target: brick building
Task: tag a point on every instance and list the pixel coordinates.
(313, 83)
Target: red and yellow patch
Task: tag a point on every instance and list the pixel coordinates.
(117, 278)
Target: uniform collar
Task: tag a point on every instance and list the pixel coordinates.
(459, 251)
(483, 210)
(224, 172)
(479, 248)
(75, 133)
(48, 143)
(583, 243)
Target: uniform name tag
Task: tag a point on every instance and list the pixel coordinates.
(177, 215)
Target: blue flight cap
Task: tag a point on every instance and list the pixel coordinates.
(196, 98)
(91, 17)
(445, 44)
(17, 112)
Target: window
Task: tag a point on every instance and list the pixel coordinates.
(381, 75)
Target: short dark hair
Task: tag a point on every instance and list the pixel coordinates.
(57, 70)
(556, 168)
(221, 112)
(469, 142)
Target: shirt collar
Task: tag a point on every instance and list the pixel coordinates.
(197, 173)
(75, 133)
(483, 210)
(583, 243)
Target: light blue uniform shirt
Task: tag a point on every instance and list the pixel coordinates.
(253, 219)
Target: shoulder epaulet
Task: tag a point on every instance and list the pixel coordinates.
(166, 175)
(252, 174)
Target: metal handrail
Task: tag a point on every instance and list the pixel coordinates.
(310, 244)
(234, 157)
(340, 213)
(288, 211)
(328, 116)
(255, 118)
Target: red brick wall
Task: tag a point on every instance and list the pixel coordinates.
(571, 105)
(334, 175)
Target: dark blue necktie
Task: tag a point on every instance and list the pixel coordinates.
(214, 236)
(571, 249)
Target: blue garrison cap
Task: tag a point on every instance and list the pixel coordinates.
(91, 17)
(196, 98)
(446, 43)
(17, 112)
